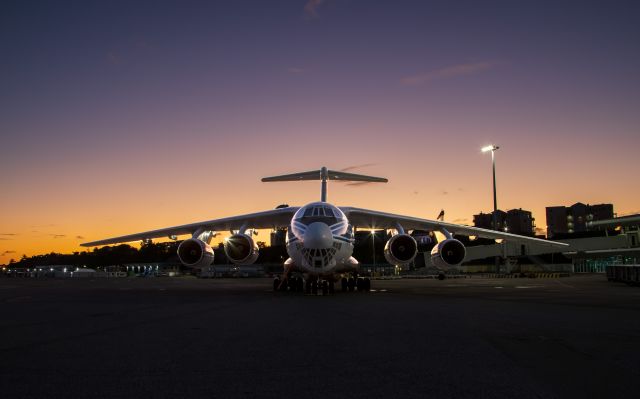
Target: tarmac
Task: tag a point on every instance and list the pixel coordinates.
(575, 337)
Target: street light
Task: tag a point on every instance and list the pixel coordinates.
(493, 149)
(373, 245)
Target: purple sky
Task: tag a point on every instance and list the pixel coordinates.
(117, 116)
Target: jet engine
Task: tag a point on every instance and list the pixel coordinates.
(241, 249)
(400, 249)
(195, 253)
(447, 253)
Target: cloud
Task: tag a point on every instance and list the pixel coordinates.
(416, 193)
(7, 253)
(447, 72)
(445, 193)
(461, 220)
(358, 183)
(311, 8)
(295, 70)
(540, 231)
(8, 234)
(79, 238)
(353, 167)
(58, 235)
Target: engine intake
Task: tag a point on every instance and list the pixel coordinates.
(241, 249)
(448, 253)
(400, 249)
(195, 253)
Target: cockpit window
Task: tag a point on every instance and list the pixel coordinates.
(321, 213)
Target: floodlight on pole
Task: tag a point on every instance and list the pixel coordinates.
(489, 148)
(493, 149)
(373, 245)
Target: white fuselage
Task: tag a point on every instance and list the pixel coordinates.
(320, 240)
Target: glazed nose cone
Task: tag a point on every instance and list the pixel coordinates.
(318, 236)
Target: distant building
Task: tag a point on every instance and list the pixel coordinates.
(485, 220)
(516, 221)
(575, 219)
(520, 222)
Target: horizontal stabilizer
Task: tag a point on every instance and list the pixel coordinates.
(325, 174)
(312, 175)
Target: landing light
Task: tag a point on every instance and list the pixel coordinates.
(473, 238)
(499, 240)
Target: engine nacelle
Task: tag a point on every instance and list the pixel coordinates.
(400, 249)
(241, 249)
(195, 253)
(448, 253)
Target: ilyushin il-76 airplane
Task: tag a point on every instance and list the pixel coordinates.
(320, 238)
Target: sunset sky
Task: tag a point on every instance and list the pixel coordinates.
(118, 117)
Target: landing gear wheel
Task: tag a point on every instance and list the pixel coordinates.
(360, 284)
(276, 284)
(351, 284)
(343, 284)
(314, 287)
(367, 284)
(307, 287)
(293, 284)
(325, 288)
(441, 276)
(332, 287)
(299, 285)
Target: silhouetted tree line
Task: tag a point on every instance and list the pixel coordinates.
(147, 253)
(167, 252)
(106, 256)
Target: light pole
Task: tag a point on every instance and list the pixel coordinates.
(493, 149)
(373, 245)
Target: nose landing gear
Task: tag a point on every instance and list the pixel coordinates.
(322, 287)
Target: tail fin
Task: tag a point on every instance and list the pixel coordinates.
(324, 175)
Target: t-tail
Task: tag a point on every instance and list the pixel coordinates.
(324, 175)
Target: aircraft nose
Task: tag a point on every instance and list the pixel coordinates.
(318, 236)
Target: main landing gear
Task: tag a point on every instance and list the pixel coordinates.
(316, 286)
(353, 283)
(290, 284)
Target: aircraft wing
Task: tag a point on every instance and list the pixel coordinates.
(261, 220)
(369, 219)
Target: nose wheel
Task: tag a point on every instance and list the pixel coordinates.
(320, 286)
